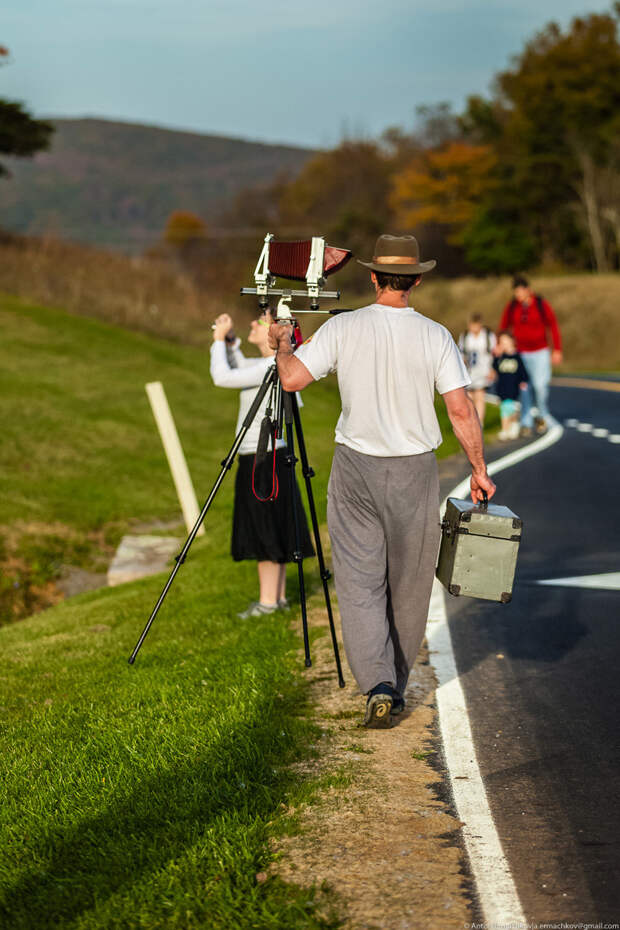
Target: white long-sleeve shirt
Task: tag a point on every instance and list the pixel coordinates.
(230, 368)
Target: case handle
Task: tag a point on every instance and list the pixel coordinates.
(484, 503)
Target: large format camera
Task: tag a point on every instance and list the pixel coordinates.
(312, 261)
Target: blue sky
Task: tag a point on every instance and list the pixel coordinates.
(303, 73)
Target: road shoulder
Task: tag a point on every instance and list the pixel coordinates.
(383, 838)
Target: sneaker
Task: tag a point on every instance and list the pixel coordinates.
(284, 603)
(525, 431)
(541, 426)
(256, 609)
(378, 708)
(503, 436)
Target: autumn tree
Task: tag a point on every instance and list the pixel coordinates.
(443, 186)
(185, 243)
(183, 227)
(554, 122)
(342, 194)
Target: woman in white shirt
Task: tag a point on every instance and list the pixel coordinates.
(262, 530)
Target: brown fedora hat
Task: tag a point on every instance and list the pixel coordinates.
(398, 255)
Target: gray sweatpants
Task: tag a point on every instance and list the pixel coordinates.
(383, 520)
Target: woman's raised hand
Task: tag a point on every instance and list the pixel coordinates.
(222, 326)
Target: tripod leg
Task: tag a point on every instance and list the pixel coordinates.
(308, 474)
(268, 380)
(298, 554)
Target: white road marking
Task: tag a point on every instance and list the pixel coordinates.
(494, 882)
(608, 581)
(598, 432)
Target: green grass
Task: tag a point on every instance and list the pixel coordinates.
(145, 796)
(80, 456)
(79, 442)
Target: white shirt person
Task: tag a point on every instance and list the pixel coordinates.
(383, 496)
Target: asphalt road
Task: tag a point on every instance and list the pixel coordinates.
(541, 675)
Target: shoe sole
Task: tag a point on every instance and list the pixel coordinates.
(378, 710)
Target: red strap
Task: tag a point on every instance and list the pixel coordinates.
(275, 487)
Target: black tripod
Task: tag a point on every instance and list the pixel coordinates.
(287, 412)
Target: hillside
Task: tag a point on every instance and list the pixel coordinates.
(115, 184)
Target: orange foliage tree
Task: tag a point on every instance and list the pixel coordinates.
(444, 186)
(182, 227)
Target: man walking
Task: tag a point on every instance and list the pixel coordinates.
(529, 317)
(383, 495)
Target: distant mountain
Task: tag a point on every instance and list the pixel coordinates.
(115, 184)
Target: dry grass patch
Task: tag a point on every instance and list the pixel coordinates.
(377, 837)
(586, 306)
(154, 296)
(35, 559)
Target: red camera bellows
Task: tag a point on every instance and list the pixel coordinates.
(290, 259)
(335, 259)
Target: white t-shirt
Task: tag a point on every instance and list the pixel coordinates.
(389, 361)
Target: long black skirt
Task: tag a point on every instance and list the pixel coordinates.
(265, 531)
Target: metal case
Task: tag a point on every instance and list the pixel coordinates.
(479, 547)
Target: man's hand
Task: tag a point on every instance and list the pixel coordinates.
(556, 357)
(468, 431)
(480, 482)
(294, 376)
(222, 327)
(280, 337)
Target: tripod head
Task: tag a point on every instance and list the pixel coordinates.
(309, 260)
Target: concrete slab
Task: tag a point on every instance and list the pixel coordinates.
(140, 556)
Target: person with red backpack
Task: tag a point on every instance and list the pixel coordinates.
(530, 319)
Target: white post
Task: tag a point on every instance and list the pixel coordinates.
(174, 454)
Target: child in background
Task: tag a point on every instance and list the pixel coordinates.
(477, 345)
(510, 379)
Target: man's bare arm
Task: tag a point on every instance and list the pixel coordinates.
(294, 376)
(468, 431)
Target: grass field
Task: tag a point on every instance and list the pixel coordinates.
(139, 796)
(145, 796)
(80, 457)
